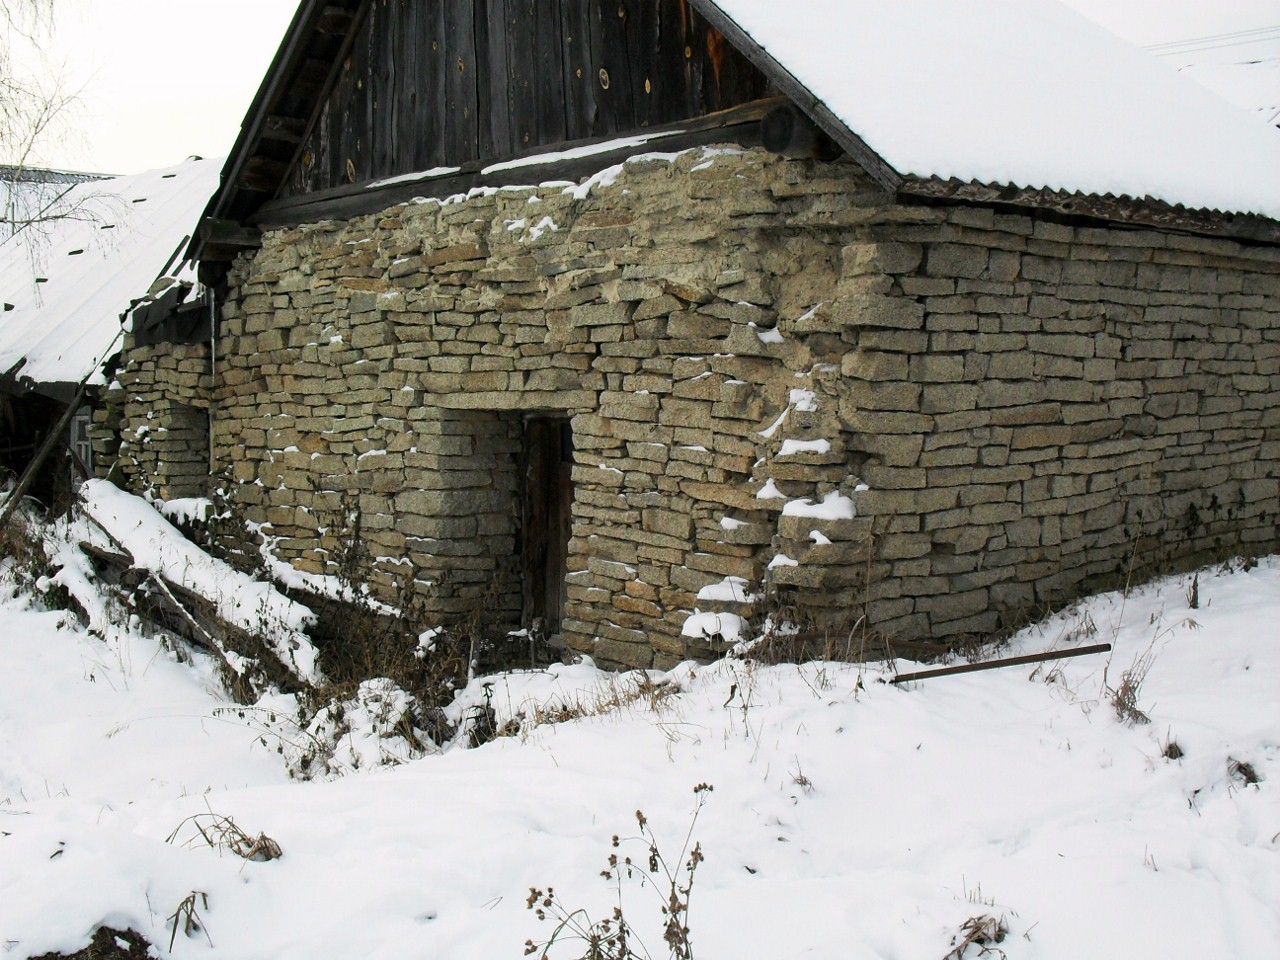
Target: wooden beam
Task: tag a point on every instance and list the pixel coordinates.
(310, 78)
(787, 130)
(215, 253)
(228, 233)
(287, 129)
(263, 174)
(1141, 212)
(737, 119)
(346, 202)
(1007, 662)
(334, 20)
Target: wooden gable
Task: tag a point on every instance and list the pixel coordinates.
(442, 83)
(366, 91)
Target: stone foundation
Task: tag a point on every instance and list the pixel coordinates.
(1014, 410)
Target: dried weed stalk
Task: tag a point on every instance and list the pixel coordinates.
(613, 938)
(221, 832)
(186, 917)
(983, 932)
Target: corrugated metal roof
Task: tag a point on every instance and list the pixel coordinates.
(1014, 92)
(67, 283)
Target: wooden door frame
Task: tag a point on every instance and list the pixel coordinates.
(546, 500)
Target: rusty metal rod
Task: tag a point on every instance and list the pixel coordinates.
(1008, 662)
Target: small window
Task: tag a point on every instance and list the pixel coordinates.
(80, 444)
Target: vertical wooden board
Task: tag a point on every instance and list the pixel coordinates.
(699, 76)
(384, 133)
(432, 93)
(546, 515)
(714, 51)
(560, 529)
(522, 67)
(548, 39)
(535, 481)
(492, 72)
(322, 148)
(641, 30)
(579, 86)
(344, 121)
(723, 77)
(350, 164)
(461, 128)
(668, 92)
(402, 91)
(613, 81)
(728, 77)
(408, 81)
(741, 80)
(535, 48)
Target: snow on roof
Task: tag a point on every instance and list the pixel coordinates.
(1018, 92)
(66, 283)
(1253, 85)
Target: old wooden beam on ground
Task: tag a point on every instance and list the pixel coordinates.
(1006, 662)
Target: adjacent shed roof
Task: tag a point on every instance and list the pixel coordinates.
(1014, 92)
(25, 191)
(66, 283)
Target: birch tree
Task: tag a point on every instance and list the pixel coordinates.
(33, 109)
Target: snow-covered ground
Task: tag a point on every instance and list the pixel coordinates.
(849, 819)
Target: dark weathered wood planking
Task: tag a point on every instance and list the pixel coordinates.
(446, 82)
(547, 67)
(739, 125)
(461, 132)
(491, 49)
(579, 87)
(429, 39)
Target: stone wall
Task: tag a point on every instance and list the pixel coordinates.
(1061, 408)
(994, 411)
(153, 424)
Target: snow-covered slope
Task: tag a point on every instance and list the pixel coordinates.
(849, 818)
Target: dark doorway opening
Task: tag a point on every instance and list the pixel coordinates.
(547, 507)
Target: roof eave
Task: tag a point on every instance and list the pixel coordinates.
(1146, 212)
(279, 74)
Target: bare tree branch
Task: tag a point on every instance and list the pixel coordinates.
(34, 110)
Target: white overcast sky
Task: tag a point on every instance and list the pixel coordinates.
(163, 79)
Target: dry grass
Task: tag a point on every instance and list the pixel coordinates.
(223, 833)
(630, 691)
(981, 932)
(188, 919)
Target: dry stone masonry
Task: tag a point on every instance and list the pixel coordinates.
(785, 390)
